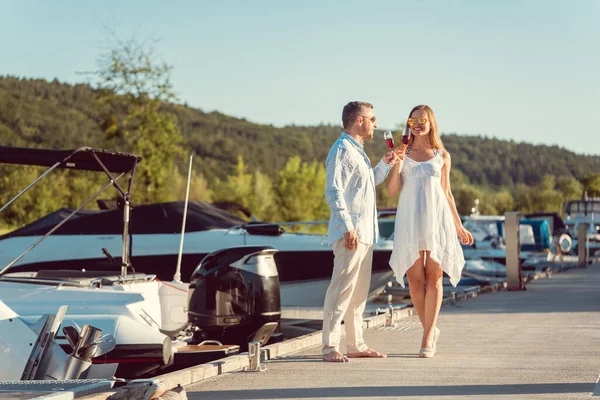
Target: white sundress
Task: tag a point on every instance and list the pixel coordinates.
(424, 221)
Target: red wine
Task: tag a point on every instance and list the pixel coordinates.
(405, 139)
(389, 143)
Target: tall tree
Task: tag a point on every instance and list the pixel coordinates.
(546, 198)
(592, 185)
(131, 78)
(253, 191)
(569, 187)
(502, 201)
(464, 198)
(300, 191)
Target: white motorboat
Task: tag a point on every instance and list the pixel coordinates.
(304, 261)
(584, 211)
(143, 313)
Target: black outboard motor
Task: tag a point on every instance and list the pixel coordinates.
(234, 295)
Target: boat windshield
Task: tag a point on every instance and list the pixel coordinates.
(582, 207)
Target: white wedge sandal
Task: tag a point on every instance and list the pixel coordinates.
(427, 352)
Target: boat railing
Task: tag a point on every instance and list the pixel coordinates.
(92, 282)
(292, 225)
(41, 281)
(120, 280)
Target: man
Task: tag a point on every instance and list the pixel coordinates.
(350, 193)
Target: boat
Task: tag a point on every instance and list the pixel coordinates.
(304, 261)
(147, 316)
(483, 272)
(584, 211)
(489, 238)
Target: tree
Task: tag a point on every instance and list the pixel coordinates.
(542, 197)
(464, 198)
(592, 185)
(524, 201)
(199, 190)
(300, 191)
(131, 79)
(264, 197)
(502, 201)
(253, 191)
(569, 187)
(62, 188)
(546, 198)
(458, 178)
(236, 188)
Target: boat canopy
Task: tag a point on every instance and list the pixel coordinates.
(82, 158)
(144, 219)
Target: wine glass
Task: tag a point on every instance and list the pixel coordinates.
(406, 135)
(389, 139)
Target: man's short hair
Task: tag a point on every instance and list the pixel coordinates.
(353, 110)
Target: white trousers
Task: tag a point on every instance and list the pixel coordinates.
(346, 297)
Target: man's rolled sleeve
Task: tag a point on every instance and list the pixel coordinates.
(381, 171)
(338, 172)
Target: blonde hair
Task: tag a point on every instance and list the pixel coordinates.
(434, 136)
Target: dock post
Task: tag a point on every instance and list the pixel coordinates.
(254, 355)
(389, 315)
(582, 243)
(514, 274)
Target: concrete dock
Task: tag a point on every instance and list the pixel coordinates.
(541, 343)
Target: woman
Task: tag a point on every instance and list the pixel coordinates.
(427, 222)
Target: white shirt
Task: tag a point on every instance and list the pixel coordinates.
(350, 190)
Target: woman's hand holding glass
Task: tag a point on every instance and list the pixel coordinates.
(401, 152)
(395, 155)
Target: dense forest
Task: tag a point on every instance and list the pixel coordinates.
(239, 160)
(58, 115)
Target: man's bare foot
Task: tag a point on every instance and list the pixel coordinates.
(368, 353)
(335, 356)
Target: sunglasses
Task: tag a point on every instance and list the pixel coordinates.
(421, 121)
(369, 118)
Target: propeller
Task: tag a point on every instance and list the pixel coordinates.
(87, 342)
(72, 335)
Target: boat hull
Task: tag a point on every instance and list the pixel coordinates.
(304, 262)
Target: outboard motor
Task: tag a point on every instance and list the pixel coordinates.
(234, 295)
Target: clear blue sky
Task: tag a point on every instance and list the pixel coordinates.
(526, 70)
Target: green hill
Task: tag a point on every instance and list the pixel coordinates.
(38, 113)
